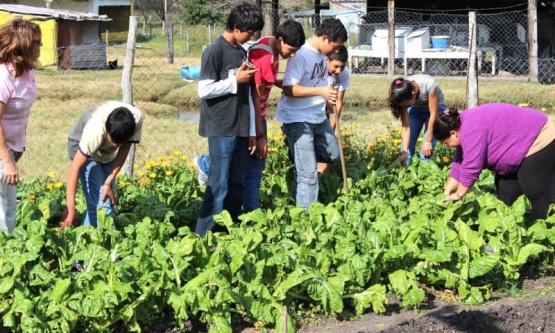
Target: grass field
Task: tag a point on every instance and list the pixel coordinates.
(161, 92)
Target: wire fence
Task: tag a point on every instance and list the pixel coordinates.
(94, 75)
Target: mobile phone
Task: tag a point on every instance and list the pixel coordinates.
(249, 64)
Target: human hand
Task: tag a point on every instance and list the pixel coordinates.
(261, 148)
(329, 93)
(244, 74)
(427, 149)
(108, 192)
(452, 197)
(67, 218)
(252, 144)
(402, 159)
(11, 174)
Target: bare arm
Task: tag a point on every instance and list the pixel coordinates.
(300, 91)
(454, 190)
(261, 143)
(72, 180)
(433, 105)
(118, 163)
(405, 137)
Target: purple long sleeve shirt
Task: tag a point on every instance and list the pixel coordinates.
(496, 137)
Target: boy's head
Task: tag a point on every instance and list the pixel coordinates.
(244, 20)
(333, 34)
(290, 35)
(337, 61)
(120, 126)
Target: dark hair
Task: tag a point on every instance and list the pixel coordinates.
(399, 92)
(341, 55)
(245, 16)
(445, 123)
(334, 29)
(120, 125)
(291, 32)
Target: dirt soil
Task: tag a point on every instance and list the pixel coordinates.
(531, 311)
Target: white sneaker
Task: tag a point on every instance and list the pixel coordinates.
(202, 177)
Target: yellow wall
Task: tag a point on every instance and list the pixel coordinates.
(48, 51)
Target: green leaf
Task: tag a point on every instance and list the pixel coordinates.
(528, 250)
(6, 285)
(220, 324)
(374, 296)
(60, 289)
(483, 265)
(469, 236)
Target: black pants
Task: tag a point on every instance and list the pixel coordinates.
(535, 179)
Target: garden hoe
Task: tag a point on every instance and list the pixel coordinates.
(342, 157)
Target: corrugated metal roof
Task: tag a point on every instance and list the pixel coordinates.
(53, 13)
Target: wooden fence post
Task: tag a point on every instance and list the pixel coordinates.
(127, 86)
(472, 77)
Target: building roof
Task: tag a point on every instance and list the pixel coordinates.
(323, 12)
(53, 13)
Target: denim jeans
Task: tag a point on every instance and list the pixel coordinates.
(8, 202)
(418, 118)
(308, 145)
(226, 176)
(253, 177)
(92, 176)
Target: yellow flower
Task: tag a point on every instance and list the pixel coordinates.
(544, 109)
(135, 167)
(32, 197)
(148, 167)
(272, 126)
(184, 158)
(445, 159)
(394, 149)
(152, 175)
(191, 166)
(121, 183)
(143, 182)
(171, 158)
(52, 174)
(161, 158)
(523, 105)
(177, 153)
(50, 186)
(58, 185)
(141, 174)
(165, 164)
(270, 135)
(169, 173)
(419, 140)
(398, 131)
(396, 141)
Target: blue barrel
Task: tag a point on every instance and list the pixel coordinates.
(440, 42)
(190, 72)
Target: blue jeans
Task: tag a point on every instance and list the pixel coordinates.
(253, 177)
(418, 118)
(226, 176)
(309, 144)
(92, 176)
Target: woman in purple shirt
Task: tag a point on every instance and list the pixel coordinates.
(517, 143)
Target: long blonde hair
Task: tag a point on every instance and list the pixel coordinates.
(16, 44)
